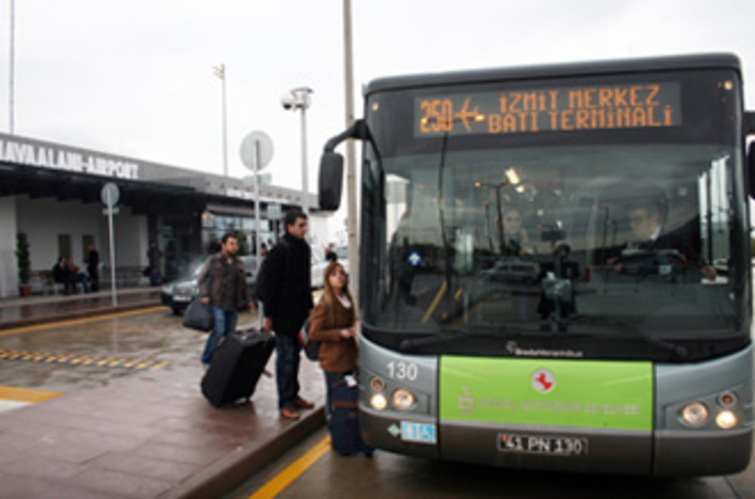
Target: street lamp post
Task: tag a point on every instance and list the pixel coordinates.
(220, 73)
(351, 174)
(299, 99)
(12, 68)
(498, 207)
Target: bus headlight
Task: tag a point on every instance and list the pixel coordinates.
(403, 399)
(378, 401)
(726, 420)
(694, 414)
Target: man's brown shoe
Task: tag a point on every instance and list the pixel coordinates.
(289, 413)
(300, 403)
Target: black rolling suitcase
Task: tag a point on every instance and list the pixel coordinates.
(236, 366)
(343, 420)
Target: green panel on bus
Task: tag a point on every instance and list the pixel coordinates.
(546, 392)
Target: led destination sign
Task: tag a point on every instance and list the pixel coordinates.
(565, 109)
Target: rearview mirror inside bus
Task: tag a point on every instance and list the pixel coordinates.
(331, 180)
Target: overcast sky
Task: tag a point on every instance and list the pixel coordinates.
(134, 77)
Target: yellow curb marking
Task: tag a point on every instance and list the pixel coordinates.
(74, 322)
(84, 360)
(26, 394)
(74, 359)
(294, 471)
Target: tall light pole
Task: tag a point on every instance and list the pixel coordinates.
(219, 71)
(351, 174)
(12, 68)
(498, 208)
(299, 99)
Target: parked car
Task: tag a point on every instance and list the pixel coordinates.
(643, 263)
(512, 271)
(179, 293)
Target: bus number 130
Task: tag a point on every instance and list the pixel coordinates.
(402, 370)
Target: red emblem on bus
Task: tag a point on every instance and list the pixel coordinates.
(543, 380)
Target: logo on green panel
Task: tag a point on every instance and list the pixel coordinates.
(546, 392)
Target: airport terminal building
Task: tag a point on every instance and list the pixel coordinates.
(53, 194)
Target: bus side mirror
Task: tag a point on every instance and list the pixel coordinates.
(749, 131)
(331, 180)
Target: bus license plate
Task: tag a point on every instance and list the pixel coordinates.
(542, 444)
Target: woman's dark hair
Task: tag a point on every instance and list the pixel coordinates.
(328, 296)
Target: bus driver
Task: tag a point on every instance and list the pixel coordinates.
(646, 217)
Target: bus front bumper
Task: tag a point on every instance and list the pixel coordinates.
(682, 453)
(660, 453)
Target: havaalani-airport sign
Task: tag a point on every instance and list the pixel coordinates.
(56, 157)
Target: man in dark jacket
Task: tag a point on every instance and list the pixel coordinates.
(93, 266)
(154, 255)
(222, 284)
(287, 297)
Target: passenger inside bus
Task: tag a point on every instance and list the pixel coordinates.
(515, 236)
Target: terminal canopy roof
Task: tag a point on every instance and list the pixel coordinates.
(143, 197)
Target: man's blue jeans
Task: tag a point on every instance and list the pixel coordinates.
(287, 349)
(223, 322)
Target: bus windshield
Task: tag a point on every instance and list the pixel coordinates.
(591, 240)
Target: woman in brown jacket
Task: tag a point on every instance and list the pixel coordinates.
(333, 324)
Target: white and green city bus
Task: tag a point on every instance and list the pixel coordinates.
(513, 312)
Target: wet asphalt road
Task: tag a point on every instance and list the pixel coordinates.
(398, 477)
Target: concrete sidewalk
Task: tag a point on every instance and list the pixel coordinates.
(20, 312)
(148, 435)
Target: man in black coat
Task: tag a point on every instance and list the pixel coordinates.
(93, 266)
(286, 292)
(154, 255)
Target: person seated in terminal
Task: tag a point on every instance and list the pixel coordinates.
(78, 276)
(646, 217)
(61, 274)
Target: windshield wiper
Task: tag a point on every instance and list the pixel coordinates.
(678, 350)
